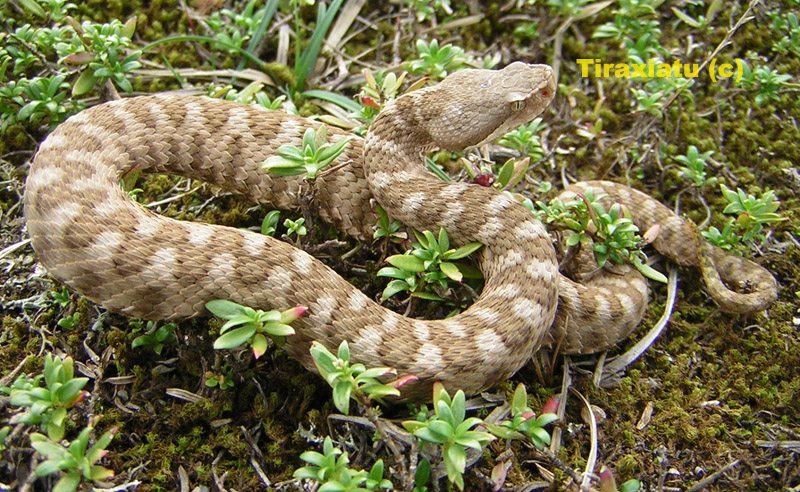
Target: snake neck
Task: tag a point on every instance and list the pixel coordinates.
(403, 125)
(517, 260)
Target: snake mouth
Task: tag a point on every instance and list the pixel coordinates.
(551, 83)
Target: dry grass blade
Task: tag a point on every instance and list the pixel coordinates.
(607, 377)
(347, 16)
(14, 247)
(182, 394)
(591, 460)
(193, 73)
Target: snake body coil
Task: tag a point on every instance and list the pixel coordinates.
(92, 237)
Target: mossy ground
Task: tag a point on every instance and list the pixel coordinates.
(722, 387)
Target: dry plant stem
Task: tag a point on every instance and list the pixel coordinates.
(393, 431)
(334, 168)
(110, 92)
(610, 371)
(488, 483)
(29, 46)
(256, 456)
(373, 417)
(705, 221)
(558, 463)
(713, 477)
(700, 198)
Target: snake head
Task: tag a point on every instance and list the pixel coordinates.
(472, 107)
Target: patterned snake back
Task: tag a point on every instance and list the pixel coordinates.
(93, 238)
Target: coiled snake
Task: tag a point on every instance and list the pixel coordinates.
(94, 239)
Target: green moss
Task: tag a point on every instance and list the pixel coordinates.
(627, 465)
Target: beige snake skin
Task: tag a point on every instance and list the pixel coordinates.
(90, 236)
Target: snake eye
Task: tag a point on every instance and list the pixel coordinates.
(517, 105)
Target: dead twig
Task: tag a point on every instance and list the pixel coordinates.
(714, 476)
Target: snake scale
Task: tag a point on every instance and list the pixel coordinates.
(92, 237)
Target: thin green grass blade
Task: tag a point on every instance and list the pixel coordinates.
(305, 63)
(337, 99)
(205, 39)
(438, 171)
(258, 35)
